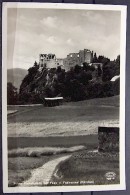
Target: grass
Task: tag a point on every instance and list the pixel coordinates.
(11, 112)
(42, 151)
(90, 141)
(71, 119)
(84, 167)
(22, 161)
(17, 176)
(88, 167)
(108, 101)
(19, 168)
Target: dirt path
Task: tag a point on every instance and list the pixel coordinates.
(42, 175)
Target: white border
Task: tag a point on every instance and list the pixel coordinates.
(122, 185)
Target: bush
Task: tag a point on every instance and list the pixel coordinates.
(12, 95)
(76, 90)
(108, 89)
(116, 87)
(95, 90)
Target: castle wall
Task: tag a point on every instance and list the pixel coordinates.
(87, 56)
(48, 60)
(59, 62)
(77, 58)
(72, 59)
(81, 56)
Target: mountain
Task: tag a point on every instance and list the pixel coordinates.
(16, 75)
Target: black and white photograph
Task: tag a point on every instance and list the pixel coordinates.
(63, 97)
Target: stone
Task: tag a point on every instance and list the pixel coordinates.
(108, 139)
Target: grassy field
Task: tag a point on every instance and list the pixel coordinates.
(90, 141)
(70, 119)
(71, 124)
(85, 168)
(22, 161)
(42, 151)
(19, 168)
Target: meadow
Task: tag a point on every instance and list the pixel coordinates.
(38, 134)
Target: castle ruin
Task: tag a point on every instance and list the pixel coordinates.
(78, 58)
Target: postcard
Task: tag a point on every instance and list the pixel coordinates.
(63, 91)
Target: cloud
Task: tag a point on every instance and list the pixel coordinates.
(94, 17)
(49, 22)
(70, 42)
(61, 32)
(51, 39)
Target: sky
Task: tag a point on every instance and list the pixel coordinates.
(31, 31)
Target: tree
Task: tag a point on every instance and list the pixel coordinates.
(12, 95)
(86, 67)
(117, 68)
(109, 71)
(95, 90)
(108, 89)
(29, 78)
(116, 86)
(35, 64)
(100, 59)
(59, 69)
(95, 60)
(77, 68)
(76, 90)
(105, 61)
(99, 71)
(85, 77)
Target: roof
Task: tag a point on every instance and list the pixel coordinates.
(55, 98)
(115, 78)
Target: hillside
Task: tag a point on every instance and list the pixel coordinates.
(107, 101)
(15, 76)
(79, 83)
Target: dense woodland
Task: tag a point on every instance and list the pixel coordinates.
(74, 85)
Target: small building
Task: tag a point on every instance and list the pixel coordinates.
(55, 101)
(115, 78)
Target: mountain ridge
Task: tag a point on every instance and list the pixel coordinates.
(15, 76)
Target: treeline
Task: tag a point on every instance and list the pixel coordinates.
(79, 83)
